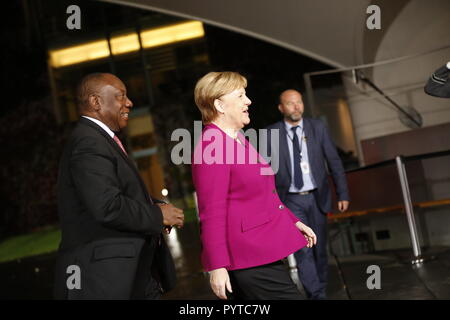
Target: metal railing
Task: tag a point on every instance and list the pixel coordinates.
(399, 196)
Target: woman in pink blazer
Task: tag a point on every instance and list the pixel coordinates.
(245, 230)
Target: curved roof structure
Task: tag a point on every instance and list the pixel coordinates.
(333, 32)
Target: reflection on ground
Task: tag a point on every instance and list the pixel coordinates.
(32, 278)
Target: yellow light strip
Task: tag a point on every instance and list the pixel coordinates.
(76, 54)
(126, 43)
(171, 34)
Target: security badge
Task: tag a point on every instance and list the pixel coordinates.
(305, 167)
(303, 164)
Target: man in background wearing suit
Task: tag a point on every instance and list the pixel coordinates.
(304, 147)
(111, 227)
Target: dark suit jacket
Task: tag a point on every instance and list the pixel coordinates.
(439, 83)
(321, 150)
(110, 227)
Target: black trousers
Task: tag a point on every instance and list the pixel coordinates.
(266, 282)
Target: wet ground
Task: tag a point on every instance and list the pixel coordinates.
(32, 278)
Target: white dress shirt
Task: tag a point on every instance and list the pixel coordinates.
(308, 179)
(102, 125)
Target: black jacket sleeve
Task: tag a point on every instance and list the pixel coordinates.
(335, 165)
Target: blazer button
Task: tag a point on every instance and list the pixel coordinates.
(274, 191)
(281, 207)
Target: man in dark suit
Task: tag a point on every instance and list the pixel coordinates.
(303, 149)
(111, 227)
(439, 83)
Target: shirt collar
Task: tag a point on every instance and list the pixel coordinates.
(102, 125)
(289, 126)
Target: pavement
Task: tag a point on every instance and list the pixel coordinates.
(387, 275)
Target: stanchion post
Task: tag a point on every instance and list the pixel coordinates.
(409, 211)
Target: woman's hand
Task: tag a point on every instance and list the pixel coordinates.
(310, 236)
(220, 282)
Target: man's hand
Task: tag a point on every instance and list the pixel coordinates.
(343, 205)
(220, 282)
(172, 216)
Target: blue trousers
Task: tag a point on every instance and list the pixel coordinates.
(312, 263)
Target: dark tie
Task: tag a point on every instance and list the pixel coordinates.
(298, 177)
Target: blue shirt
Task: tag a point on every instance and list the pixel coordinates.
(308, 179)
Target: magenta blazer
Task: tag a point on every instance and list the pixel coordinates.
(243, 223)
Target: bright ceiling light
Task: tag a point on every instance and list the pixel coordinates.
(81, 53)
(126, 43)
(171, 34)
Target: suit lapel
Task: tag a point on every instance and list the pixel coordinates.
(284, 149)
(311, 142)
(119, 151)
(108, 139)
